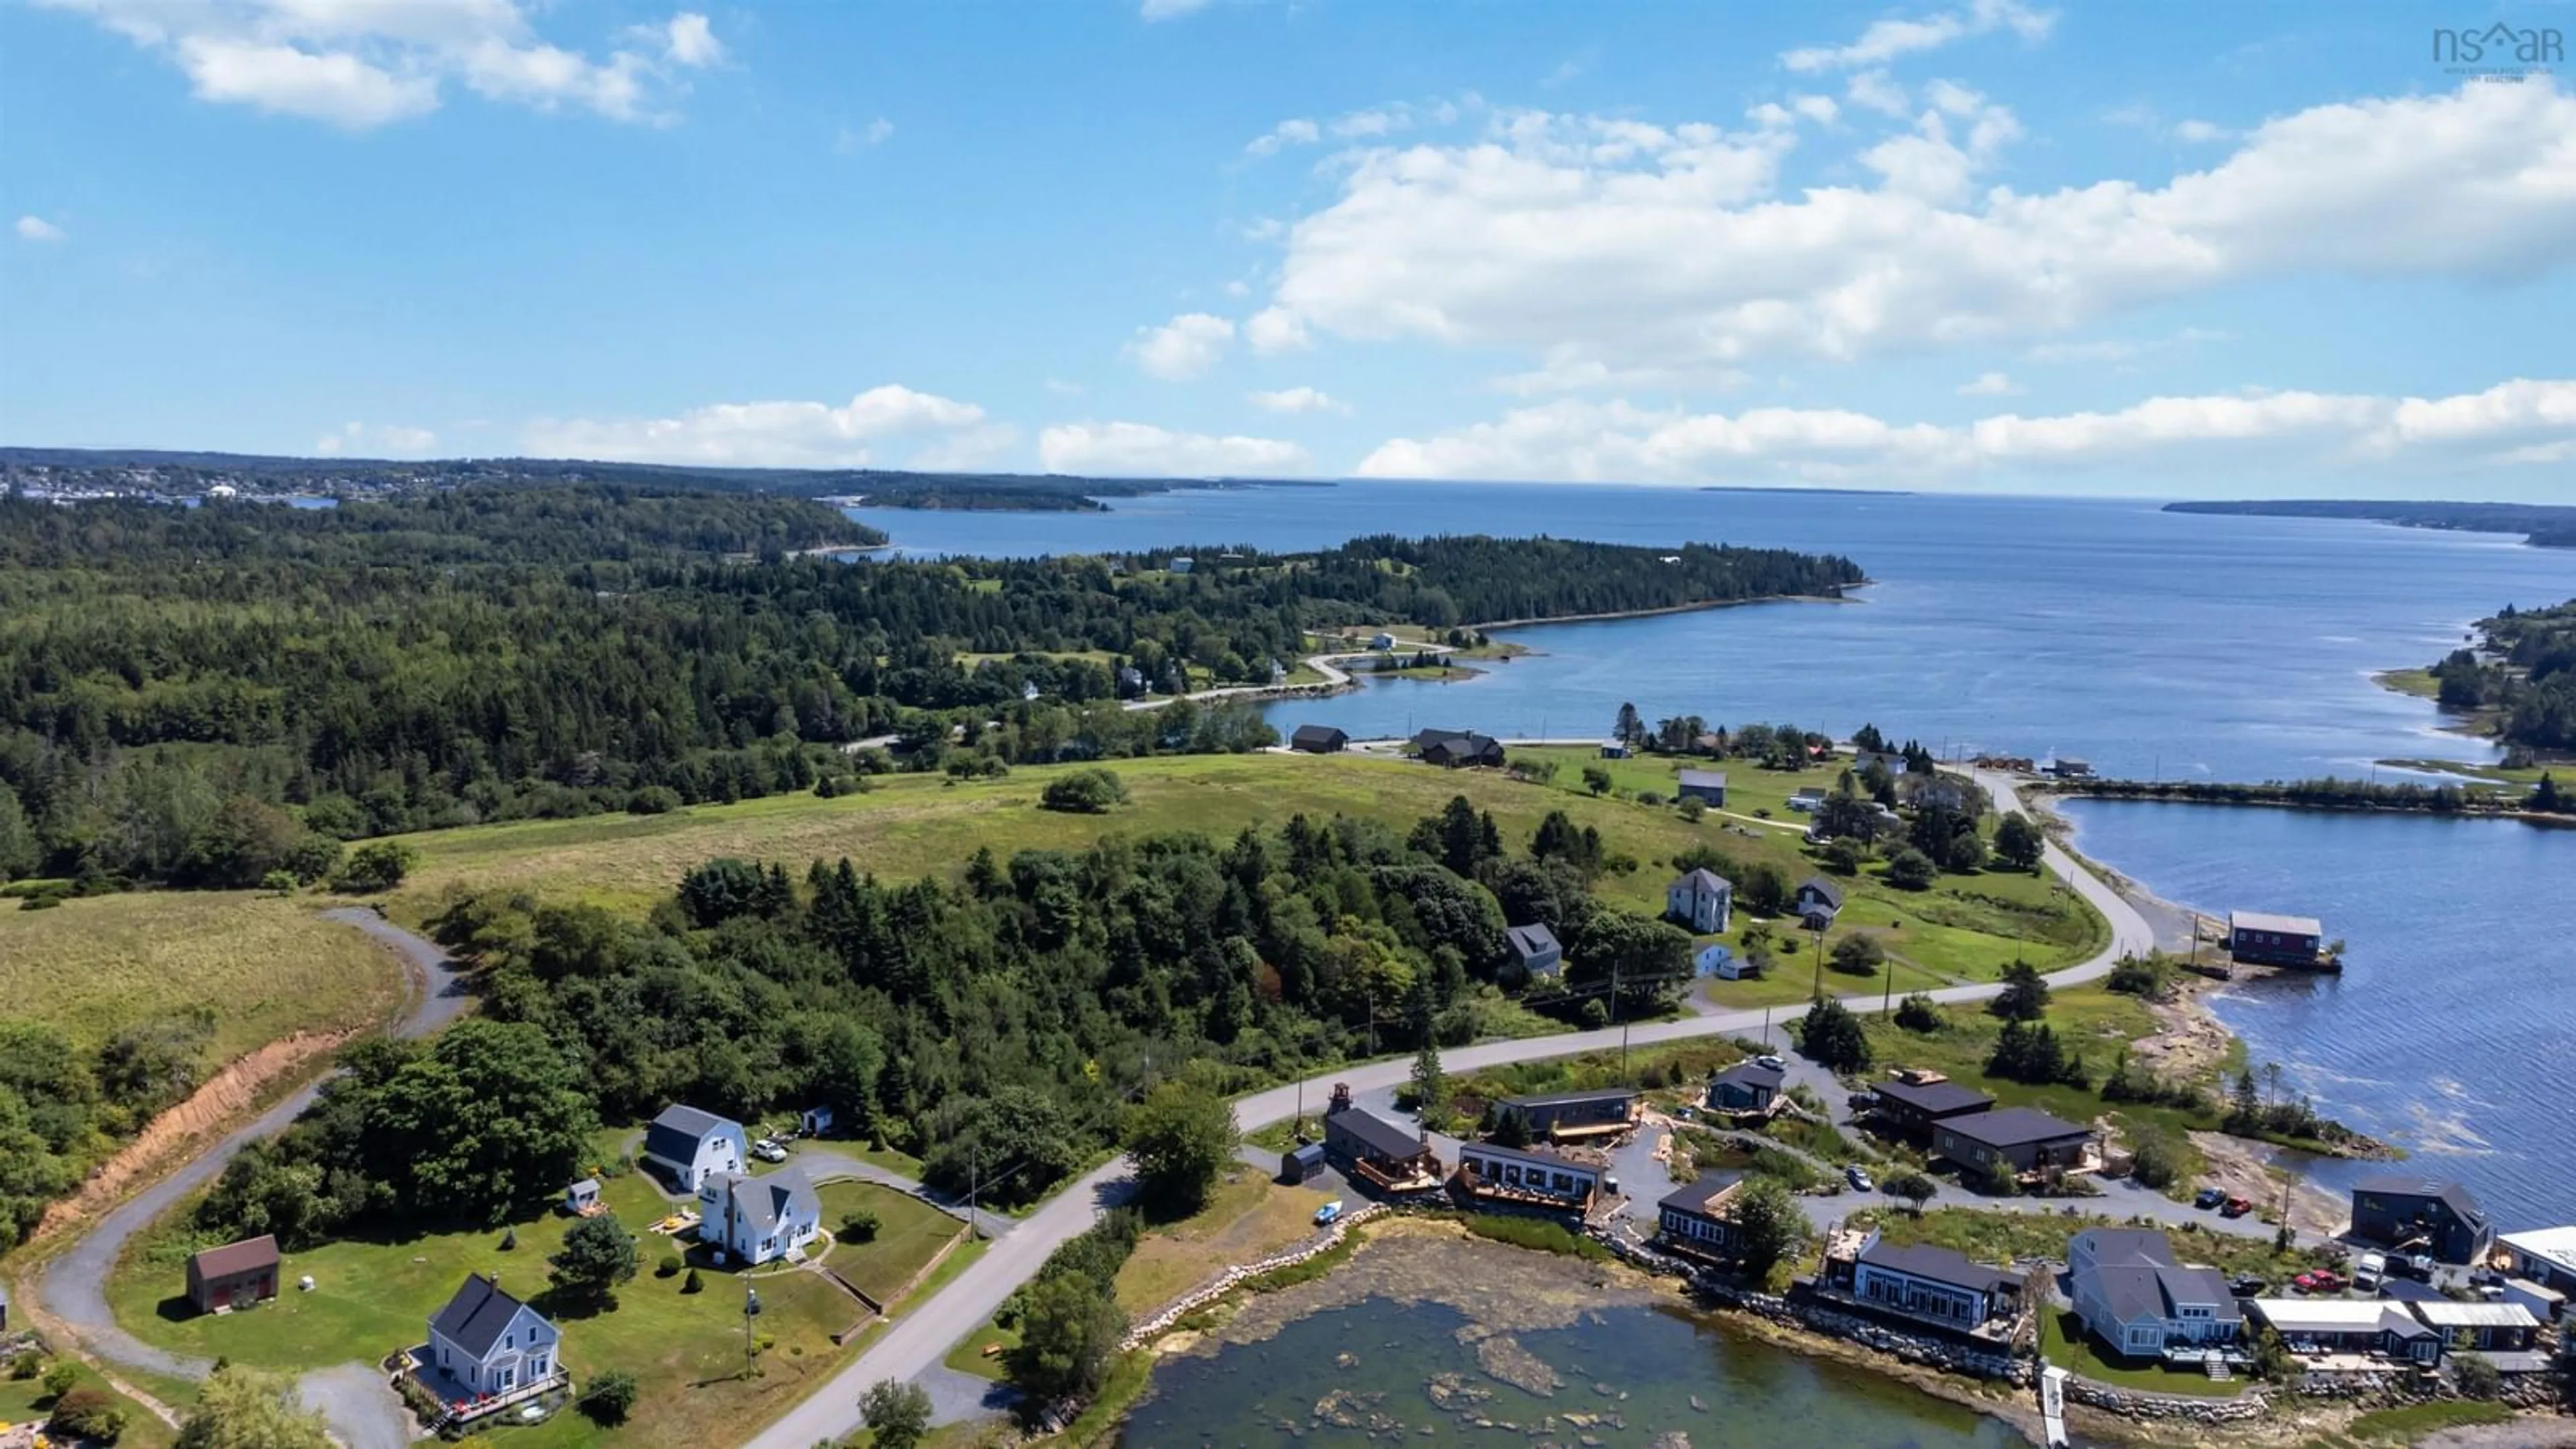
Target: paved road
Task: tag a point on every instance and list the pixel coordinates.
(74, 1286)
(921, 1339)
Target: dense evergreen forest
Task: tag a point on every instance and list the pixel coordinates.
(2543, 525)
(187, 693)
(2527, 677)
(997, 1022)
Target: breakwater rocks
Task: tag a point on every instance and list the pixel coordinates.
(1232, 1278)
(2129, 1404)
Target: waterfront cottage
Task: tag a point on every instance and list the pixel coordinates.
(1536, 1176)
(1933, 1285)
(1706, 786)
(2133, 1295)
(1700, 900)
(235, 1275)
(1698, 1219)
(1746, 1087)
(2320, 1328)
(1714, 959)
(1910, 1104)
(2271, 940)
(1536, 949)
(754, 1220)
(2494, 1328)
(1456, 748)
(2546, 1256)
(2028, 1140)
(1370, 1147)
(1317, 739)
(684, 1144)
(1606, 1112)
(2421, 1215)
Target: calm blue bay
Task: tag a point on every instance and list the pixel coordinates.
(2153, 644)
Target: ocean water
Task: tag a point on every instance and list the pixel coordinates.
(2449, 1031)
(1654, 1361)
(2153, 644)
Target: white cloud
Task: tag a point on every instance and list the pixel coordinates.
(1183, 348)
(768, 434)
(1276, 329)
(1588, 241)
(1872, 90)
(1062, 388)
(2514, 423)
(359, 64)
(2201, 133)
(2123, 350)
(1294, 132)
(874, 133)
(1169, 9)
(1297, 400)
(359, 439)
(1819, 109)
(1989, 384)
(1887, 40)
(1139, 449)
(37, 229)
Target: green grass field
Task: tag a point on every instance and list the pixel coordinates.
(685, 1350)
(24, 1401)
(1963, 929)
(2062, 1341)
(909, 1234)
(267, 967)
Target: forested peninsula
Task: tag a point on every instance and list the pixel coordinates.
(2542, 525)
(2522, 677)
(206, 695)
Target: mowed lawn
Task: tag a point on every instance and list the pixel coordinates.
(909, 1235)
(685, 1350)
(1964, 928)
(1248, 1218)
(265, 966)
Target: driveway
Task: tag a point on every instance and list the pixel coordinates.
(74, 1286)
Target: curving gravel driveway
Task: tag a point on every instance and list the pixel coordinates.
(74, 1285)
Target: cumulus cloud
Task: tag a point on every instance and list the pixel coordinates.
(1183, 348)
(1139, 449)
(359, 64)
(1887, 40)
(2201, 133)
(1613, 242)
(1989, 384)
(1276, 329)
(2513, 423)
(355, 439)
(37, 229)
(1297, 400)
(772, 434)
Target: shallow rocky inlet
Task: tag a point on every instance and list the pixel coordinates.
(1499, 1289)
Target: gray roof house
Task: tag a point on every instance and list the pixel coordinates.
(1818, 900)
(756, 1219)
(2136, 1297)
(486, 1342)
(1700, 899)
(2028, 1139)
(1706, 786)
(1535, 947)
(685, 1144)
(2421, 1215)
(1747, 1086)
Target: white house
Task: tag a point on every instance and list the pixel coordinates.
(755, 1219)
(1701, 900)
(1715, 960)
(487, 1342)
(2132, 1293)
(685, 1144)
(1381, 640)
(1535, 947)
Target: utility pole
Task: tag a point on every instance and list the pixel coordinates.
(1614, 1016)
(750, 1345)
(1887, 1003)
(1820, 966)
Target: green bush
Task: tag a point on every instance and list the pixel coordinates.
(378, 865)
(690, 1284)
(87, 1413)
(26, 1365)
(1084, 792)
(1538, 1234)
(609, 1398)
(60, 1378)
(859, 1226)
(669, 1267)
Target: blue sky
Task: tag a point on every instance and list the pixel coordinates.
(1989, 245)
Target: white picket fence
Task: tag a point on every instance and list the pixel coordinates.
(1226, 1282)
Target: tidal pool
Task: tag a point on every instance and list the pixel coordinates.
(1433, 1340)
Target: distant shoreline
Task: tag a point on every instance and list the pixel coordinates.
(1692, 608)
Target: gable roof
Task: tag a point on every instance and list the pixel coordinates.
(675, 1135)
(1534, 1156)
(2265, 921)
(1375, 1133)
(1316, 734)
(2462, 1203)
(1832, 893)
(247, 1256)
(1703, 879)
(2013, 1127)
(1750, 1074)
(1622, 1095)
(763, 1203)
(1941, 1265)
(2135, 1271)
(1532, 940)
(478, 1315)
(2556, 1246)
(1704, 779)
(1933, 1097)
(1696, 1197)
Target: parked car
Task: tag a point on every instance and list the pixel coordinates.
(2247, 1287)
(1771, 1060)
(1861, 1101)
(2305, 1282)
(2367, 1273)
(1859, 1179)
(2235, 1207)
(2207, 1198)
(1328, 1213)
(2321, 1280)
(769, 1149)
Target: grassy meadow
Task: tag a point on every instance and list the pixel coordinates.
(266, 967)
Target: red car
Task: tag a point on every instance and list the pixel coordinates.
(2235, 1207)
(2323, 1280)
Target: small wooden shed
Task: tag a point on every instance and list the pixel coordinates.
(235, 1275)
(582, 1198)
